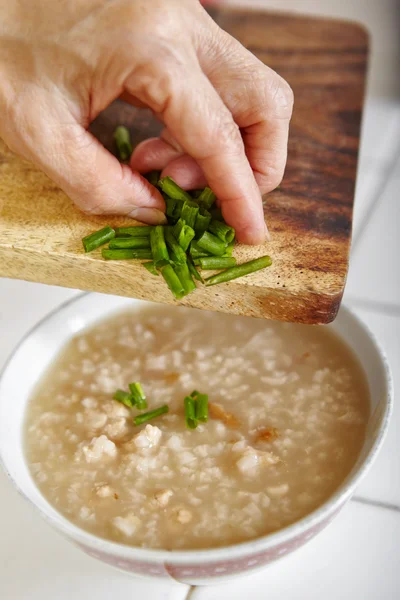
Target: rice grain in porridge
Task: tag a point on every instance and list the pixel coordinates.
(288, 412)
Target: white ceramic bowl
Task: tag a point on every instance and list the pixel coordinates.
(36, 352)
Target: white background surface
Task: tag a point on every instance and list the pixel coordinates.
(358, 556)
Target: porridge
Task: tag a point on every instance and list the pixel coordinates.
(288, 408)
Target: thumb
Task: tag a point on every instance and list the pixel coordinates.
(93, 178)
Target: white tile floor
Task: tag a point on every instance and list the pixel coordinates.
(375, 251)
(357, 557)
(352, 559)
(38, 564)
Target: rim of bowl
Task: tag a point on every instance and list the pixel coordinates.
(234, 551)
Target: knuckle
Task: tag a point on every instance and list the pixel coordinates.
(282, 97)
(152, 85)
(263, 95)
(287, 93)
(273, 96)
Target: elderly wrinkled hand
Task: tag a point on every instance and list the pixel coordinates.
(226, 115)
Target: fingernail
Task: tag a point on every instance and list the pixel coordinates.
(152, 216)
(251, 237)
(267, 233)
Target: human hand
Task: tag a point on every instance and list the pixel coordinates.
(226, 115)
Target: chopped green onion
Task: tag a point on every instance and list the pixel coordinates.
(211, 244)
(217, 262)
(189, 212)
(185, 277)
(152, 414)
(124, 398)
(129, 242)
(178, 210)
(127, 254)
(138, 395)
(196, 236)
(98, 238)
(179, 225)
(203, 220)
(138, 231)
(216, 213)
(196, 251)
(207, 197)
(240, 270)
(195, 272)
(190, 412)
(222, 231)
(183, 233)
(172, 189)
(178, 255)
(195, 393)
(150, 266)
(158, 247)
(153, 177)
(173, 281)
(122, 139)
(202, 407)
(173, 208)
(169, 206)
(185, 237)
(229, 249)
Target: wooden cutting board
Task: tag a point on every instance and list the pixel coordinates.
(309, 217)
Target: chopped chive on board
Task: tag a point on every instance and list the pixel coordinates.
(129, 242)
(98, 238)
(139, 231)
(193, 236)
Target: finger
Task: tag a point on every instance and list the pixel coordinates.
(153, 154)
(156, 154)
(186, 172)
(167, 136)
(111, 187)
(261, 103)
(88, 173)
(203, 126)
(129, 99)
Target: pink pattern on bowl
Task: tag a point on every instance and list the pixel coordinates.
(214, 569)
(242, 565)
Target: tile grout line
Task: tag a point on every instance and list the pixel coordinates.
(385, 308)
(376, 503)
(190, 593)
(390, 169)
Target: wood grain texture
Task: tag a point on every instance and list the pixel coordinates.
(309, 217)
